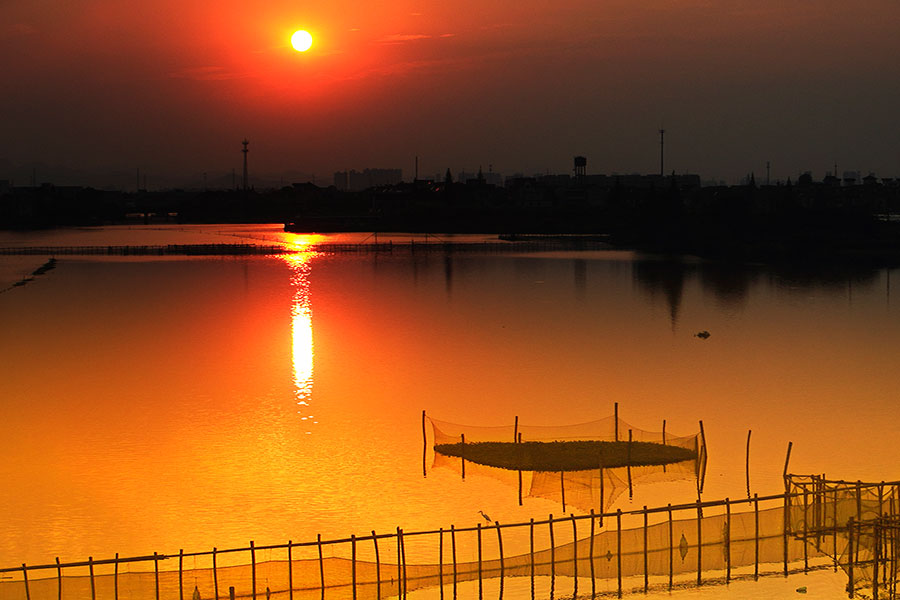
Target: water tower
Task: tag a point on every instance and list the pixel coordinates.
(580, 166)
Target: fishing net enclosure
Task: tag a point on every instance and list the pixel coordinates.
(587, 465)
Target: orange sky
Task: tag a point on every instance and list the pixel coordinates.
(172, 86)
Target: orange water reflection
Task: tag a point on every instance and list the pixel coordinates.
(302, 334)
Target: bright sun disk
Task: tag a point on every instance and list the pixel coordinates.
(301, 40)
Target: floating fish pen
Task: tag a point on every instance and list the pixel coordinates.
(815, 525)
(586, 466)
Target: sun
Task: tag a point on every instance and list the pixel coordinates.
(301, 40)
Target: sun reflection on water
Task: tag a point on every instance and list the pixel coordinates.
(302, 335)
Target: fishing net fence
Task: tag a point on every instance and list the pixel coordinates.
(612, 553)
(597, 488)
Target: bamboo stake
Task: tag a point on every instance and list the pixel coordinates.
(181, 574)
(671, 549)
(699, 544)
(531, 552)
(424, 447)
(786, 527)
(619, 551)
(703, 440)
(403, 555)
(462, 455)
(628, 467)
(500, 546)
(756, 537)
(805, 531)
(787, 462)
(834, 531)
(516, 430)
(480, 582)
(25, 575)
(616, 418)
(851, 585)
(291, 571)
(93, 584)
(441, 560)
(552, 548)
(253, 568)
(520, 473)
(156, 573)
(215, 574)
(377, 566)
(115, 579)
(453, 551)
(602, 503)
(575, 555)
(399, 567)
(562, 487)
(664, 440)
(591, 557)
(646, 561)
(749, 431)
(59, 579)
(353, 564)
(321, 565)
(727, 541)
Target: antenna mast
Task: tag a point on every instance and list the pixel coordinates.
(245, 151)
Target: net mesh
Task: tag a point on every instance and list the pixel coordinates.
(592, 489)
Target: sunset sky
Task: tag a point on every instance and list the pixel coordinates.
(93, 89)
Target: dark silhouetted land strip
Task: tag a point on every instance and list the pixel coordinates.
(566, 456)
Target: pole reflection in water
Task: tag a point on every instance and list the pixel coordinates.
(302, 335)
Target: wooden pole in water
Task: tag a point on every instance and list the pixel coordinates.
(156, 573)
(25, 579)
(574, 554)
(377, 566)
(480, 582)
(616, 418)
(531, 552)
(181, 574)
(321, 565)
(805, 530)
(424, 447)
(664, 440)
(562, 487)
(500, 547)
(628, 467)
(646, 557)
(453, 553)
(699, 544)
(619, 550)
(727, 540)
(399, 567)
(747, 467)
(519, 440)
(215, 575)
(787, 462)
(462, 454)
(59, 577)
(703, 445)
(756, 537)
(353, 565)
(552, 548)
(786, 526)
(441, 560)
(851, 585)
(403, 555)
(602, 503)
(591, 557)
(253, 568)
(516, 430)
(671, 548)
(291, 570)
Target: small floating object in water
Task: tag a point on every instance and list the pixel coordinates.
(702, 334)
(801, 590)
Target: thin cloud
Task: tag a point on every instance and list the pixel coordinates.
(398, 38)
(207, 73)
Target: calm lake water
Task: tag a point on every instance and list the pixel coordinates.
(151, 404)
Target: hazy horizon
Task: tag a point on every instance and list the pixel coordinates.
(98, 87)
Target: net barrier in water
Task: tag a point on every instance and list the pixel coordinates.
(616, 552)
(587, 489)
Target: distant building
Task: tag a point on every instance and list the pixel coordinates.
(355, 181)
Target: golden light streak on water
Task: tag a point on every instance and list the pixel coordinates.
(302, 335)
